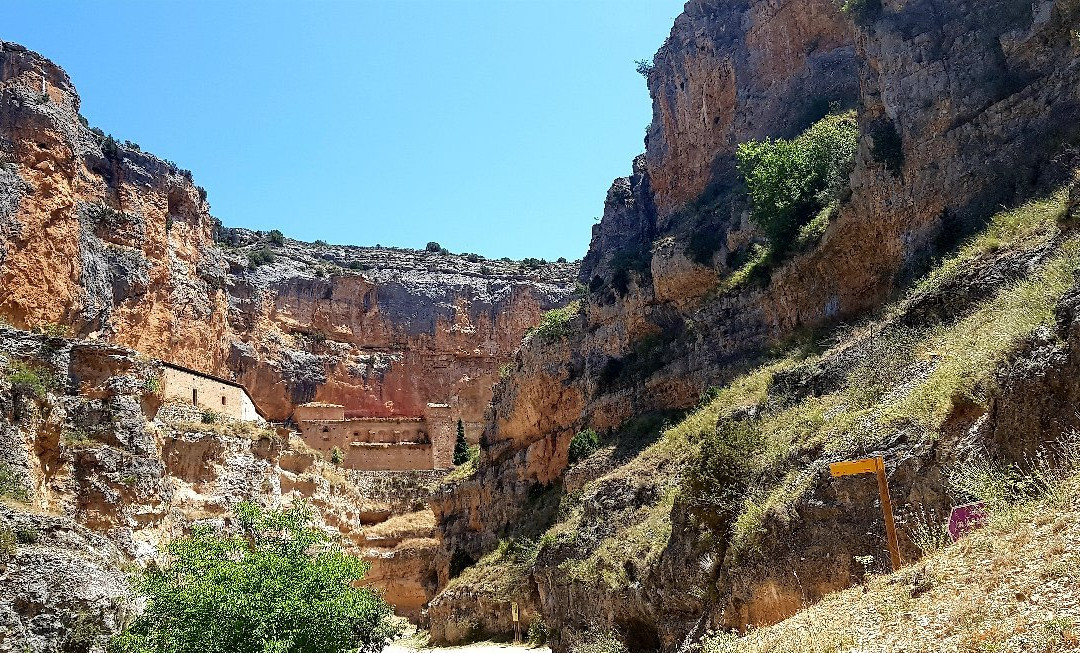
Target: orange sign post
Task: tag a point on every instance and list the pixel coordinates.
(875, 465)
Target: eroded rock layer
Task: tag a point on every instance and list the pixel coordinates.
(119, 245)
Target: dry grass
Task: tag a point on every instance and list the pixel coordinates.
(414, 524)
(229, 428)
(1014, 586)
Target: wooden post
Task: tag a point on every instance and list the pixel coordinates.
(877, 466)
(886, 510)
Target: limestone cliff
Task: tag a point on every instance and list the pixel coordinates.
(119, 245)
(98, 475)
(962, 109)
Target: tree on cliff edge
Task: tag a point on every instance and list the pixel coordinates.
(461, 448)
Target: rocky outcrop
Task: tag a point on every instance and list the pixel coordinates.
(120, 246)
(84, 434)
(961, 109)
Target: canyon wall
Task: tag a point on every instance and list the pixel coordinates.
(961, 109)
(119, 245)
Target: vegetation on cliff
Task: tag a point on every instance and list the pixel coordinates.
(791, 182)
(278, 587)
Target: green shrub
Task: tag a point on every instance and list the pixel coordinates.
(27, 381)
(8, 543)
(538, 632)
(555, 324)
(473, 258)
(209, 417)
(644, 67)
(336, 456)
(276, 237)
(791, 181)
(320, 243)
(357, 265)
(152, 385)
(261, 256)
(583, 445)
(280, 587)
(12, 483)
(486, 270)
(27, 535)
(860, 10)
(461, 445)
(598, 642)
(433, 247)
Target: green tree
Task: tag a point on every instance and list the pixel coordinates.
(276, 237)
(461, 447)
(278, 587)
(791, 181)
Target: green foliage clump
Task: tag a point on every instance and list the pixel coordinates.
(261, 256)
(276, 237)
(861, 10)
(28, 381)
(486, 270)
(644, 67)
(8, 542)
(152, 385)
(583, 445)
(209, 417)
(538, 632)
(887, 147)
(791, 181)
(434, 247)
(461, 445)
(27, 535)
(555, 324)
(280, 587)
(598, 642)
(336, 456)
(11, 484)
(319, 242)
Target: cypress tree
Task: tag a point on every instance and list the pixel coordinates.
(461, 448)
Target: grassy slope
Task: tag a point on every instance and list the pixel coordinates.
(894, 380)
(901, 379)
(1013, 586)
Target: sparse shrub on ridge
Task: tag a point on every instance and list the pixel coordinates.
(555, 324)
(276, 237)
(261, 256)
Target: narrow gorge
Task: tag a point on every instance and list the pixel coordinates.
(853, 234)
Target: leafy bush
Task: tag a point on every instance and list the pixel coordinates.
(152, 385)
(28, 381)
(538, 632)
(486, 270)
(209, 417)
(27, 535)
(473, 258)
(261, 256)
(7, 542)
(276, 237)
(336, 456)
(861, 10)
(280, 587)
(791, 181)
(11, 483)
(583, 445)
(320, 243)
(555, 324)
(461, 445)
(531, 263)
(644, 67)
(433, 247)
(561, 259)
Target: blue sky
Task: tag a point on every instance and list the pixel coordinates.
(491, 126)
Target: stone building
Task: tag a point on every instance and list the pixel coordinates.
(380, 443)
(206, 392)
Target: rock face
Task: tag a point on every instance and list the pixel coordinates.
(120, 246)
(94, 443)
(961, 109)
